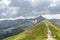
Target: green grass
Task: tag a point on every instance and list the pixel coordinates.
(37, 32)
(55, 30)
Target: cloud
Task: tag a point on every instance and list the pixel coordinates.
(31, 17)
(53, 3)
(9, 12)
(13, 10)
(4, 3)
(52, 16)
(28, 7)
(34, 2)
(21, 17)
(4, 14)
(16, 18)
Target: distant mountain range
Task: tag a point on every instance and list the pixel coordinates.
(55, 21)
(12, 23)
(12, 27)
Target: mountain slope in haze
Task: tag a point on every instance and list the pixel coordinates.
(4, 24)
(55, 21)
(39, 32)
(13, 27)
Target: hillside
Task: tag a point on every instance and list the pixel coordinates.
(44, 30)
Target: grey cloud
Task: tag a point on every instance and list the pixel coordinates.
(54, 10)
(26, 9)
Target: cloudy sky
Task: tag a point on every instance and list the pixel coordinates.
(17, 8)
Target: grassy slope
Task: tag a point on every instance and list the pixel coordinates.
(55, 30)
(37, 32)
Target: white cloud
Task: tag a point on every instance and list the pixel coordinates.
(13, 10)
(21, 17)
(16, 18)
(4, 14)
(4, 3)
(45, 11)
(52, 16)
(31, 17)
(53, 3)
(34, 2)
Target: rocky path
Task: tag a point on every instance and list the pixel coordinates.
(49, 33)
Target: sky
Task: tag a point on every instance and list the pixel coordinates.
(52, 16)
(29, 8)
